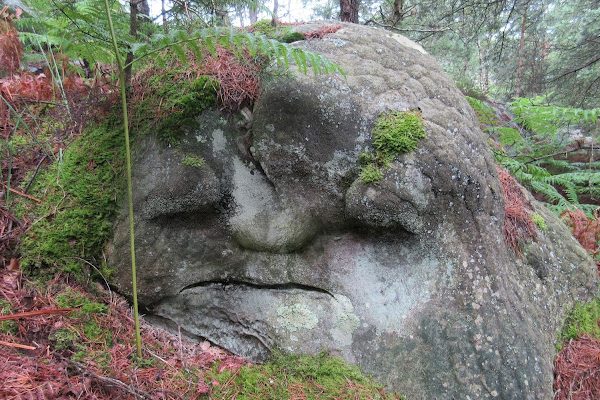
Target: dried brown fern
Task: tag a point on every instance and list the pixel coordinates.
(11, 49)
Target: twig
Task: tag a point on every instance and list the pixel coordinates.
(393, 28)
(17, 345)
(27, 196)
(37, 169)
(35, 313)
(99, 273)
(110, 382)
(565, 152)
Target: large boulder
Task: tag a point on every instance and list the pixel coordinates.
(276, 243)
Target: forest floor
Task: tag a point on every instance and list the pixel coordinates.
(61, 340)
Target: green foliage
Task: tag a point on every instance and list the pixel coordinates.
(74, 299)
(85, 329)
(583, 319)
(536, 175)
(192, 161)
(80, 29)
(543, 119)
(371, 173)
(265, 27)
(485, 114)
(206, 40)
(397, 132)
(539, 221)
(509, 136)
(291, 37)
(394, 133)
(80, 200)
(316, 377)
(470, 89)
(7, 327)
(64, 339)
(76, 28)
(532, 153)
(284, 34)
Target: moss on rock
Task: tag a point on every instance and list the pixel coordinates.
(79, 193)
(171, 103)
(281, 33)
(394, 133)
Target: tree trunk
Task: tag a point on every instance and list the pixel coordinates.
(275, 10)
(349, 11)
(253, 14)
(483, 69)
(398, 11)
(164, 16)
(133, 30)
(143, 8)
(520, 58)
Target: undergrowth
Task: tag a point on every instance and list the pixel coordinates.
(7, 327)
(536, 148)
(90, 353)
(485, 114)
(582, 320)
(519, 226)
(299, 377)
(80, 197)
(394, 133)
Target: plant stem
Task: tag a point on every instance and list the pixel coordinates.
(122, 89)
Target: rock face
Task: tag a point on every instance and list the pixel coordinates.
(276, 243)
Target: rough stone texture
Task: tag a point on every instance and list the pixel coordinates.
(275, 243)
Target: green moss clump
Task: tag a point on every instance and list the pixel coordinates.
(371, 173)
(397, 132)
(193, 161)
(171, 104)
(485, 114)
(80, 194)
(285, 34)
(315, 377)
(394, 133)
(265, 27)
(84, 318)
(539, 221)
(7, 327)
(291, 37)
(64, 339)
(73, 299)
(583, 319)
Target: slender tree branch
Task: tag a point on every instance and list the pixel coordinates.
(393, 28)
(589, 63)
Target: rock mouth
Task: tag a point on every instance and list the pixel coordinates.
(251, 319)
(230, 283)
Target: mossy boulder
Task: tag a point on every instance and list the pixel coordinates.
(276, 243)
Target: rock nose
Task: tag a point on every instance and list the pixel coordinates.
(262, 221)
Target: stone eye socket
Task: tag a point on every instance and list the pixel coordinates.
(191, 188)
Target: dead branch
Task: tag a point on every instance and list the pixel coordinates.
(35, 313)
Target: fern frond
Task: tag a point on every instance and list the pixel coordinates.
(280, 54)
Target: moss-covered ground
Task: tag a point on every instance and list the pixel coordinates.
(320, 377)
(91, 350)
(79, 193)
(582, 320)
